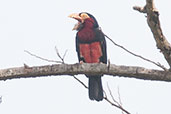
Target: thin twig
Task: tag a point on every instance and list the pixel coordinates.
(57, 52)
(42, 57)
(65, 54)
(81, 82)
(59, 55)
(119, 97)
(110, 92)
(148, 60)
(118, 104)
(110, 102)
(105, 98)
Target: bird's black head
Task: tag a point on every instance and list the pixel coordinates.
(81, 18)
(96, 25)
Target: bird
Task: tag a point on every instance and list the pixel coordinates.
(90, 48)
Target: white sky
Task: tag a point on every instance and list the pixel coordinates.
(40, 25)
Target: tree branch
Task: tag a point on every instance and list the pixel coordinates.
(85, 68)
(114, 103)
(80, 82)
(42, 57)
(136, 55)
(154, 24)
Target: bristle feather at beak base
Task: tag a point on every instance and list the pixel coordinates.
(76, 26)
(78, 18)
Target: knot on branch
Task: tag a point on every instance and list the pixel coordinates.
(140, 9)
(144, 10)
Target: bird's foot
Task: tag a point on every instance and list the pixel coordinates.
(81, 62)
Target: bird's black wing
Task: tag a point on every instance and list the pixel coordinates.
(77, 47)
(77, 42)
(100, 37)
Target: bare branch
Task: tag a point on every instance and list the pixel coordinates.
(110, 102)
(59, 55)
(154, 24)
(148, 60)
(42, 57)
(119, 104)
(110, 92)
(85, 68)
(119, 97)
(65, 54)
(80, 82)
(105, 97)
(140, 9)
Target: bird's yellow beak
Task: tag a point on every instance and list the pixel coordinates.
(75, 16)
(80, 18)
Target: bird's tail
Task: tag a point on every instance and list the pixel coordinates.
(95, 88)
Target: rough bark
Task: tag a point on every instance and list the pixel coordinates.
(154, 24)
(75, 69)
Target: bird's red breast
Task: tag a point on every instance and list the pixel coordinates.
(91, 52)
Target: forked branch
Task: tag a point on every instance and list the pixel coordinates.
(154, 24)
(114, 103)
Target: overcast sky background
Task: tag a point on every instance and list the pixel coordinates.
(40, 25)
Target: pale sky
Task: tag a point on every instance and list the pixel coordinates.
(40, 25)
